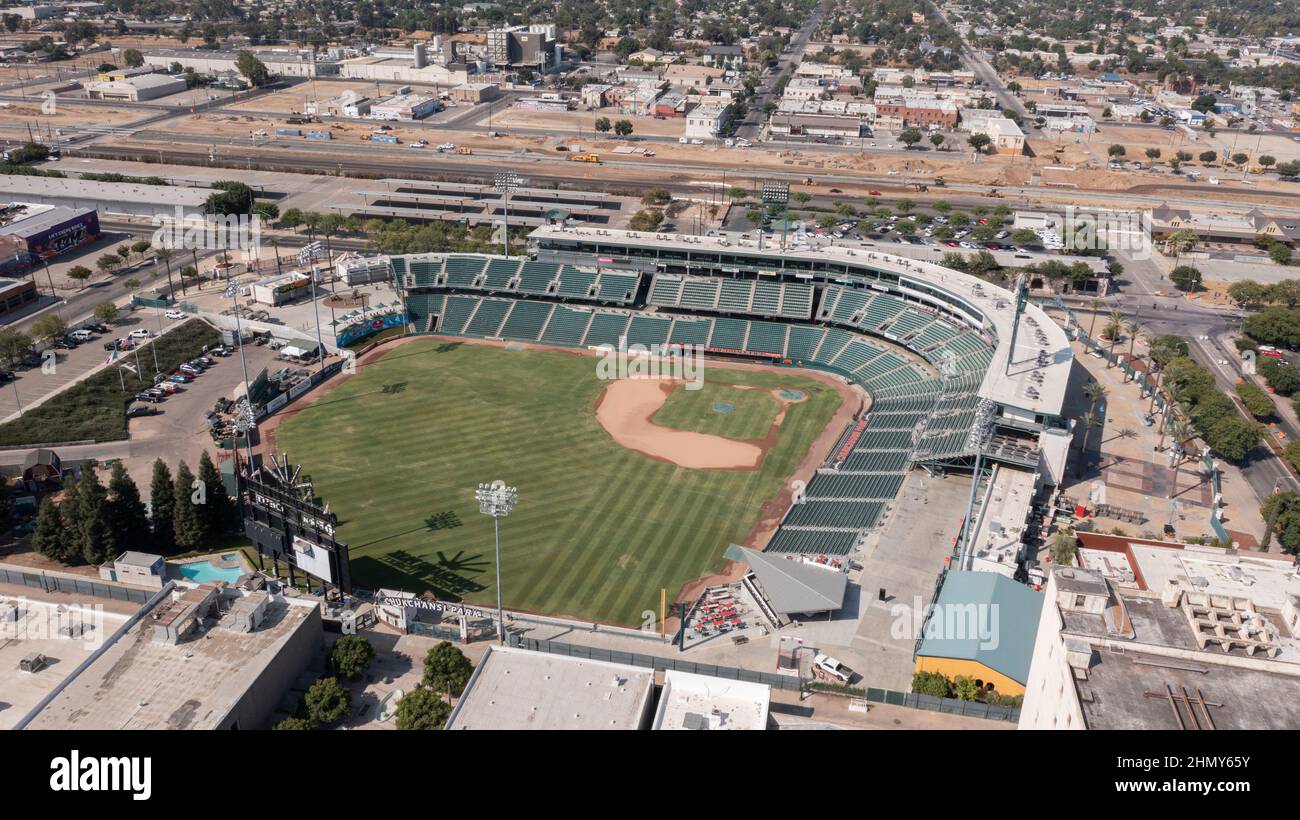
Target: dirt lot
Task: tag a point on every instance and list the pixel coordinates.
(19, 116)
(584, 122)
(294, 99)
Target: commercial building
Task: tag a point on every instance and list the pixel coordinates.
(279, 62)
(43, 231)
(1006, 137)
(15, 294)
(140, 569)
(1217, 227)
(921, 113)
(137, 89)
(1166, 636)
(347, 104)
(405, 107)
(281, 288)
(514, 689)
(475, 92)
(207, 657)
(816, 125)
(982, 625)
(706, 121)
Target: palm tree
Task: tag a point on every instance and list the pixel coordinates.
(1181, 432)
(1088, 421)
(1114, 324)
(165, 255)
(1131, 328)
(1095, 393)
(1096, 303)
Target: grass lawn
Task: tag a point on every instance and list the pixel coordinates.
(751, 416)
(95, 408)
(398, 449)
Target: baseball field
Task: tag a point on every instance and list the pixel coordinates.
(398, 449)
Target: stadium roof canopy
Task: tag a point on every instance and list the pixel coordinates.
(792, 586)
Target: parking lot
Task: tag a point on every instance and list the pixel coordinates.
(180, 431)
(33, 384)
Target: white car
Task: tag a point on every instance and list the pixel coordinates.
(142, 333)
(176, 314)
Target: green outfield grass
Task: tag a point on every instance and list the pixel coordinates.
(751, 417)
(398, 449)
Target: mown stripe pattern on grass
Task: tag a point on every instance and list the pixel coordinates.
(398, 449)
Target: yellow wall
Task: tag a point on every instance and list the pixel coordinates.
(953, 668)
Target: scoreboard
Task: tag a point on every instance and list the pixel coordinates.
(296, 533)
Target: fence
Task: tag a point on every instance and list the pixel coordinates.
(79, 586)
(787, 683)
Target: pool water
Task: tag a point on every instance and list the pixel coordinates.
(201, 572)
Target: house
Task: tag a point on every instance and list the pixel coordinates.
(726, 56)
(42, 465)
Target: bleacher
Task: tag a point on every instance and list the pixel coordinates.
(791, 300)
(913, 415)
(606, 328)
(488, 318)
(526, 320)
(567, 326)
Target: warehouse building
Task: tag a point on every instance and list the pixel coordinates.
(110, 197)
(39, 231)
(406, 107)
(212, 62)
(137, 89)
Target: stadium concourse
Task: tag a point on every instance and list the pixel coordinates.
(962, 373)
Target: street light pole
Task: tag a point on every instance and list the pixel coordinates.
(497, 500)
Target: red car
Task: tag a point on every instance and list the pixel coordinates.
(873, 193)
(953, 245)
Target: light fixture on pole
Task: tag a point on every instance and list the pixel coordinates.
(977, 439)
(307, 256)
(497, 500)
(506, 183)
(776, 192)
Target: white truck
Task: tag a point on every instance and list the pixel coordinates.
(827, 667)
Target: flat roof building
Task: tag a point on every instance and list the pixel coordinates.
(156, 675)
(514, 689)
(703, 702)
(137, 89)
(1116, 654)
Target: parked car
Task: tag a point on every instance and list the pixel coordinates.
(137, 410)
(139, 333)
(180, 378)
(829, 667)
(167, 387)
(176, 314)
(149, 397)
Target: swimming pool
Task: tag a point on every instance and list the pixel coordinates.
(203, 571)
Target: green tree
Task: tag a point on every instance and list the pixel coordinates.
(295, 724)
(1256, 400)
(253, 69)
(133, 58)
(125, 519)
(965, 688)
(422, 709)
(1232, 437)
(931, 683)
(1247, 293)
(910, 137)
(1062, 546)
(218, 512)
(48, 328)
(446, 669)
(14, 345)
(623, 128)
(1186, 278)
(603, 125)
(162, 507)
(106, 312)
(187, 522)
(79, 273)
(979, 142)
(327, 702)
(50, 538)
(351, 655)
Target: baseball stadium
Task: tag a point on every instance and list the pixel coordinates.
(830, 373)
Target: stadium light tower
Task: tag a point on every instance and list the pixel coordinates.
(777, 192)
(977, 439)
(497, 500)
(506, 182)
